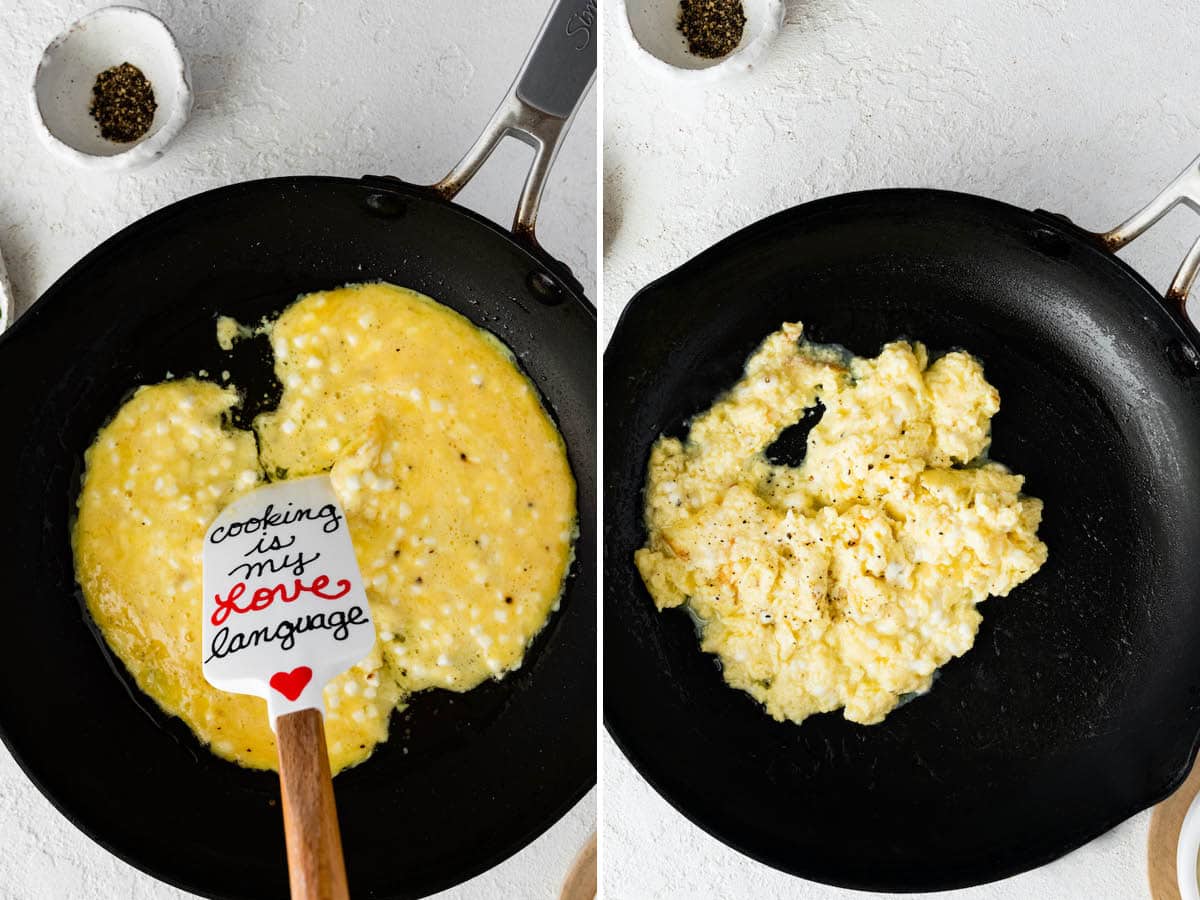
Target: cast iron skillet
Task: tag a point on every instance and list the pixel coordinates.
(465, 779)
(1080, 702)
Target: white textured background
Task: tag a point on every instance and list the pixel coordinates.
(1085, 107)
(282, 87)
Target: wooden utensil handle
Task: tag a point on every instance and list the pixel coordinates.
(314, 844)
(581, 879)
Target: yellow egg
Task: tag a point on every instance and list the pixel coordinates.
(455, 482)
(845, 582)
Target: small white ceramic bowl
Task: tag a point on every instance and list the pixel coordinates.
(1186, 864)
(651, 27)
(62, 87)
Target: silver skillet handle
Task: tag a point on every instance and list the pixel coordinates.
(7, 307)
(539, 106)
(1184, 189)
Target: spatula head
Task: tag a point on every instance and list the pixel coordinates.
(284, 606)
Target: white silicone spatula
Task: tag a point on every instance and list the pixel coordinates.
(285, 612)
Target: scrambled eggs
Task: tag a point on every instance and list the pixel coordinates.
(844, 582)
(455, 483)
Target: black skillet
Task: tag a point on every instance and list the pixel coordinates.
(1080, 702)
(465, 779)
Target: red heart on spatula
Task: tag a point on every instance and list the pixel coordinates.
(290, 684)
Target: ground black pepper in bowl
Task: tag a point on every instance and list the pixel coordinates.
(712, 28)
(123, 103)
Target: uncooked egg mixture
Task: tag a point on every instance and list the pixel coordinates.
(847, 581)
(455, 483)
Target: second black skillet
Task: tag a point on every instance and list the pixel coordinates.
(1080, 702)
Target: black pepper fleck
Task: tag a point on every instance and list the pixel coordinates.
(123, 103)
(712, 28)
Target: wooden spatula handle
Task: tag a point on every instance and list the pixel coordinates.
(314, 844)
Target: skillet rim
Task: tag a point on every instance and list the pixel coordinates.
(574, 294)
(1081, 239)
(535, 252)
